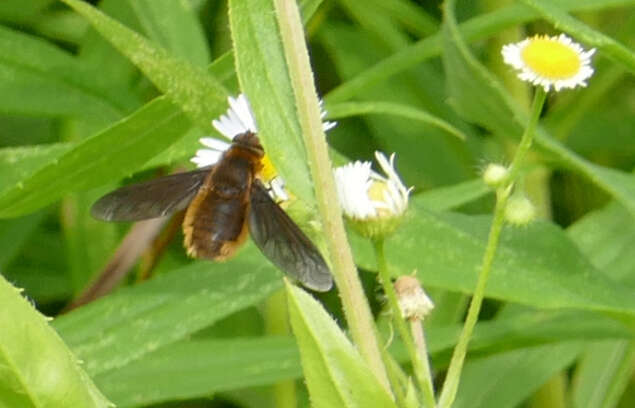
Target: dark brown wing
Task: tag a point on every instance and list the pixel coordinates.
(282, 241)
(152, 199)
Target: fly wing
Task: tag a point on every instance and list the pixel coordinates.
(282, 241)
(152, 199)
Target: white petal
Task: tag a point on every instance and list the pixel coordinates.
(214, 143)
(352, 183)
(238, 118)
(277, 190)
(206, 157)
(326, 126)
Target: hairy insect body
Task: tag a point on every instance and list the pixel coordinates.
(223, 203)
(215, 223)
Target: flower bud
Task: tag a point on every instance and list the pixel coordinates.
(414, 303)
(519, 210)
(495, 175)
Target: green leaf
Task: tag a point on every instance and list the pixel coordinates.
(619, 184)
(528, 329)
(425, 155)
(607, 237)
(376, 21)
(40, 79)
(223, 69)
(106, 156)
(36, 367)
(308, 8)
(45, 285)
(19, 163)
(198, 94)
(94, 51)
(415, 19)
(563, 21)
(215, 365)
(160, 121)
(174, 26)
(334, 371)
(88, 242)
(127, 325)
(480, 97)
(199, 368)
(13, 234)
(18, 10)
(40, 265)
(450, 197)
(347, 109)
(537, 265)
(262, 73)
(506, 379)
(477, 28)
(603, 373)
(36, 176)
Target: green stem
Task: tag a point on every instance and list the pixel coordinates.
(397, 377)
(416, 329)
(525, 142)
(354, 302)
(451, 384)
(420, 364)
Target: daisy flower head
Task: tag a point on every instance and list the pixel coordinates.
(238, 119)
(374, 203)
(546, 61)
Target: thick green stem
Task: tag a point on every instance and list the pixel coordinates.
(420, 363)
(354, 301)
(416, 329)
(397, 377)
(451, 384)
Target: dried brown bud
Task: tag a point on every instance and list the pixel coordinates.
(413, 301)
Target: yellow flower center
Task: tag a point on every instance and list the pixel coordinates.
(376, 193)
(268, 172)
(550, 58)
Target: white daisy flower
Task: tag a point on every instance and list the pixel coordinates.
(366, 196)
(545, 61)
(239, 119)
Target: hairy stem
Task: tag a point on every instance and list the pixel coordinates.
(451, 384)
(354, 301)
(420, 364)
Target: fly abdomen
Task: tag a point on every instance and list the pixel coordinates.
(214, 224)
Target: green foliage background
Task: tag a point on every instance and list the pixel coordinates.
(87, 101)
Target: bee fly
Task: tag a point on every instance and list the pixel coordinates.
(223, 202)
